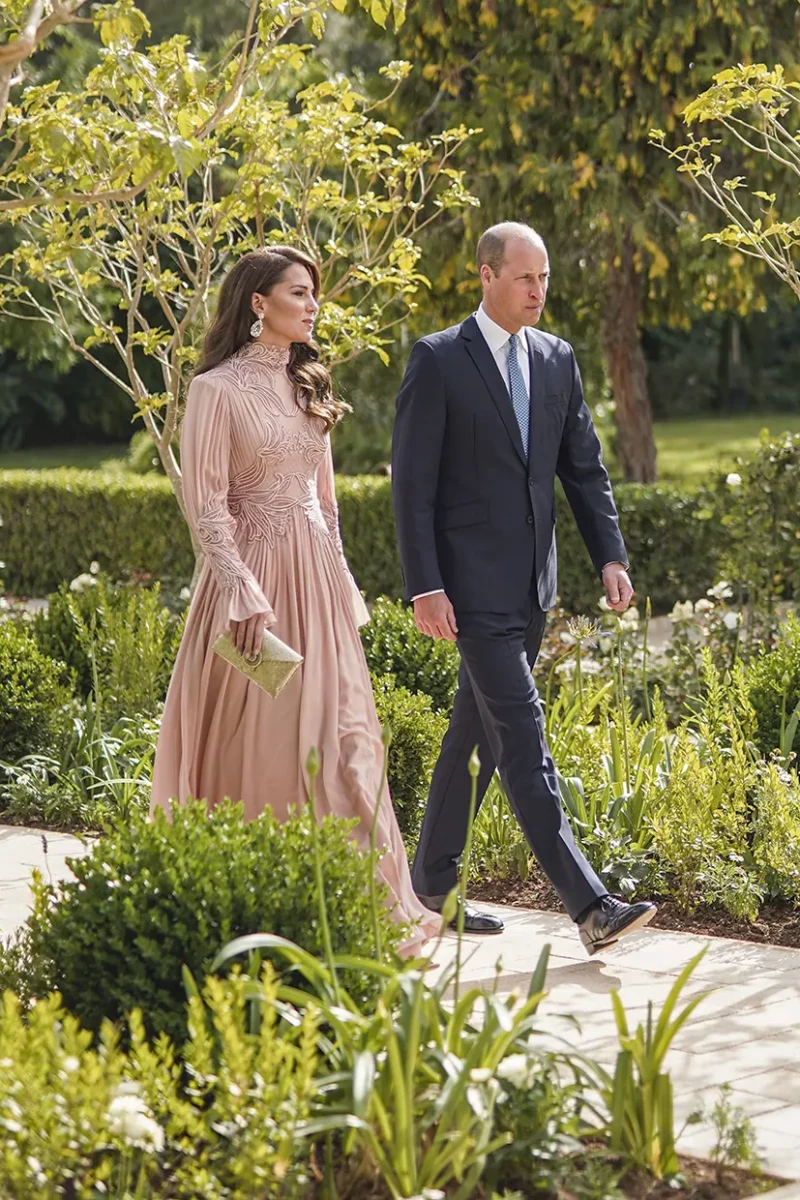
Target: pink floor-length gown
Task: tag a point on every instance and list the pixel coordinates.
(259, 491)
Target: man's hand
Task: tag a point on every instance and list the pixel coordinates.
(434, 615)
(248, 635)
(619, 589)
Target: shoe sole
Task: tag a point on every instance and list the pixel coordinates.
(637, 923)
(477, 932)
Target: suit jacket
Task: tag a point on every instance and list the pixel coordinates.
(473, 516)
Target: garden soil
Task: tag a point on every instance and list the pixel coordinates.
(777, 924)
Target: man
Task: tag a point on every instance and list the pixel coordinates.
(489, 412)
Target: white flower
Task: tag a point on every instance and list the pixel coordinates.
(515, 1069)
(129, 1117)
(567, 639)
(682, 611)
(35, 1167)
(71, 1063)
(631, 616)
(731, 620)
(480, 1075)
(94, 568)
(603, 604)
(734, 480)
(81, 582)
(721, 590)
(186, 593)
(128, 1087)
(704, 606)
(590, 666)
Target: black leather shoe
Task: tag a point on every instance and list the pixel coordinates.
(474, 920)
(608, 920)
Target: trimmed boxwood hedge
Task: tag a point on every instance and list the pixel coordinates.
(54, 523)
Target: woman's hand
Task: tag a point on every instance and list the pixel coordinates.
(248, 635)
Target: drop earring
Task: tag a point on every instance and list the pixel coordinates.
(257, 328)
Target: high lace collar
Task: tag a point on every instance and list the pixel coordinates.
(266, 353)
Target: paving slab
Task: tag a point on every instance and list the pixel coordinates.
(22, 850)
(745, 1032)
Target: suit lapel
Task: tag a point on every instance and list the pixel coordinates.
(483, 359)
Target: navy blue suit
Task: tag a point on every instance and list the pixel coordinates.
(476, 517)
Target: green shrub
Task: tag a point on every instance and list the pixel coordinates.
(773, 687)
(674, 538)
(82, 1119)
(121, 643)
(394, 646)
(700, 832)
(55, 522)
(761, 550)
(366, 516)
(153, 896)
(775, 832)
(417, 733)
(33, 696)
(143, 457)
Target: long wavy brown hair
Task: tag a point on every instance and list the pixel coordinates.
(259, 271)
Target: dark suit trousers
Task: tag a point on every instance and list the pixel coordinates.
(497, 708)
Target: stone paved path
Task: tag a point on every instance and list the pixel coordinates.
(746, 1033)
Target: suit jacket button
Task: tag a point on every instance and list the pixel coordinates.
(529, 520)
(530, 483)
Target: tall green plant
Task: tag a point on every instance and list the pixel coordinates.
(413, 1085)
(121, 643)
(639, 1093)
(499, 847)
(99, 775)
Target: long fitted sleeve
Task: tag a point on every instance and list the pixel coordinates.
(205, 466)
(326, 490)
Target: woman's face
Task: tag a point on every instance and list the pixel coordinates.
(289, 309)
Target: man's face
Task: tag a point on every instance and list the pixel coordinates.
(516, 296)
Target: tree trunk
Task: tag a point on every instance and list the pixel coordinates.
(626, 364)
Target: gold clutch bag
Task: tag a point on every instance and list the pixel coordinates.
(270, 670)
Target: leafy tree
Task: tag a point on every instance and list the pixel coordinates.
(566, 95)
(25, 25)
(758, 109)
(143, 185)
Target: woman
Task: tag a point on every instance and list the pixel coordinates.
(259, 493)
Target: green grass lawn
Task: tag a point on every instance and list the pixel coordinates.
(690, 451)
(90, 458)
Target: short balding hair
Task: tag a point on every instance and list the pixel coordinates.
(492, 243)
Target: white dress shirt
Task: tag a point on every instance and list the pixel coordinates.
(497, 340)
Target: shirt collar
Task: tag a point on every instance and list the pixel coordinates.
(494, 335)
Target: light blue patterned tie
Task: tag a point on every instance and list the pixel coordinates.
(519, 393)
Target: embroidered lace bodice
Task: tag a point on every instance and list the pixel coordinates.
(254, 462)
